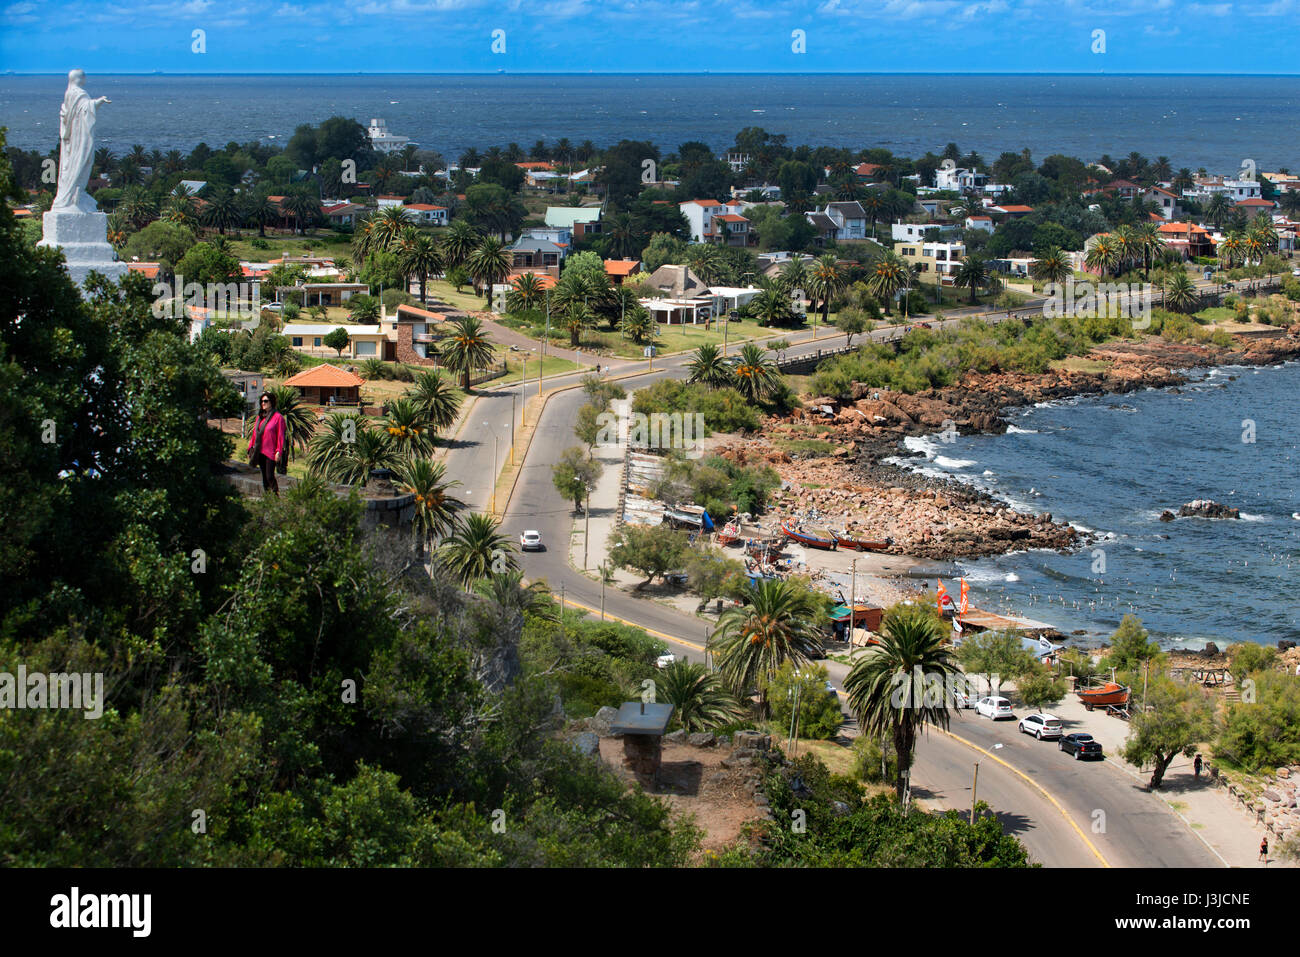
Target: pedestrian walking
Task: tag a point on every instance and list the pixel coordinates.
(1263, 850)
(266, 444)
(1196, 766)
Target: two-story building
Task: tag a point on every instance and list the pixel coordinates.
(933, 261)
(848, 219)
(578, 220)
(917, 232)
(714, 222)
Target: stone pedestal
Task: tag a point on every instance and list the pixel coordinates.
(83, 238)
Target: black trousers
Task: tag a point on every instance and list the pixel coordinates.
(267, 465)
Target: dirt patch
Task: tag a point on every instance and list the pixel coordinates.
(692, 781)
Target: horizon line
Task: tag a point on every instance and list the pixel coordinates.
(592, 73)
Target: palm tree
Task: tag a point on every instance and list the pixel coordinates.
(700, 700)
(1232, 249)
(777, 623)
(435, 508)
(622, 236)
(756, 375)
(488, 264)
(388, 225)
(705, 261)
(875, 205)
(258, 211)
(181, 209)
(1180, 293)
(1126, 246)
(1103, 256)
(411, 432)
(221, 211)
(639, 326)
(887, 276)
(891, 688)
(468, 348)
(1149, 245)
(421, 256)
(330, 446)
(973, 272)
(825, 280)
(792, 275)
(1052, 266)
(576, 318)
(709, 367)
(435, 397)
(476, 548)
(303, 207)
(299, 422)
(372, 449)
(771, 307)
(526, 293)
(1217, 209)
(459, 242)
(138, 207)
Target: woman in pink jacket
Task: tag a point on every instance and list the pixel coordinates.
(266, 444)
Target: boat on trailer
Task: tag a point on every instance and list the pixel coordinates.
(863, 544)
(1111, 693)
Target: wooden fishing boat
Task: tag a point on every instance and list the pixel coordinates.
(730, 534)
(1110, 693)
(810, 537)
(863, 544)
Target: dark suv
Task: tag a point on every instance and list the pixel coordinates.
(1081, 745)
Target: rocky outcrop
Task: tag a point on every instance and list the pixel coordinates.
(1205, 508)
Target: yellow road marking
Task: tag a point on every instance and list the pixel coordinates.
(1055, 803)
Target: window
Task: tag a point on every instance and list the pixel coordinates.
(366, 348)
(297, 342)
(316, 342)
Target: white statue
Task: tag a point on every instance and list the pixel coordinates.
(77, 145)
(74, 223)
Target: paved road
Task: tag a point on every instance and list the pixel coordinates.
(1137, 831)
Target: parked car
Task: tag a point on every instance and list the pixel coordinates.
(964, 699)
(1041, 725)
(994, 707)
(530, 541)
(922, 325)
(1080, 745)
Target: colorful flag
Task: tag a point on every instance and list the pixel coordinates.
(965, 597)
(940, 595)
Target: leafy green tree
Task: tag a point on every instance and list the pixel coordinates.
(819, 715)
(1178, 718)
(1260, 731)
(337, 339)
(897, 688)
(711, 574)
(852, 322)
(996, 655)
(1130, 646)
(575, 474)
(651, 550)
(204, 263)
(1040, 688)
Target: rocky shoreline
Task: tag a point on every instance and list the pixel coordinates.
(858, 487)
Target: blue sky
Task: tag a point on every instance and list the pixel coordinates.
(649, 36)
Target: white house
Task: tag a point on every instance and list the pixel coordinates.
(959, 179)
(915, 232)
(384, 141)
(1166, 202)
(426, 214)
(701, 213)
(850, 219)
(980, 222)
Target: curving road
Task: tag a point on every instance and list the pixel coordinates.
(1063, 830)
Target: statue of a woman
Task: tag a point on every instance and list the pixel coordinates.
(76, 146)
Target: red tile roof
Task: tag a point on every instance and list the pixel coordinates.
(621, 267)
(325, 377)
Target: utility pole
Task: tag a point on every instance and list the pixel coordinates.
(493, 478)
(586, 527)
(512, 427)
(545, 341)
(853, 602)
(974, 786)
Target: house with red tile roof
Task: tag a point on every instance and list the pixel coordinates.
(619, 269)
(701, 215)
(427, 214)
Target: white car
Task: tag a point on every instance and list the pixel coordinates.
(530, 541)
(993, 707)
(663, 661)
(963, 699)
(1041, 726)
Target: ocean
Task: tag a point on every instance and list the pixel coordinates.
(1110, 465)
(1197, 121)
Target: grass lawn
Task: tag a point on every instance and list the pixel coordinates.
(1215, 314)
(324, 242)
(440, 289)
